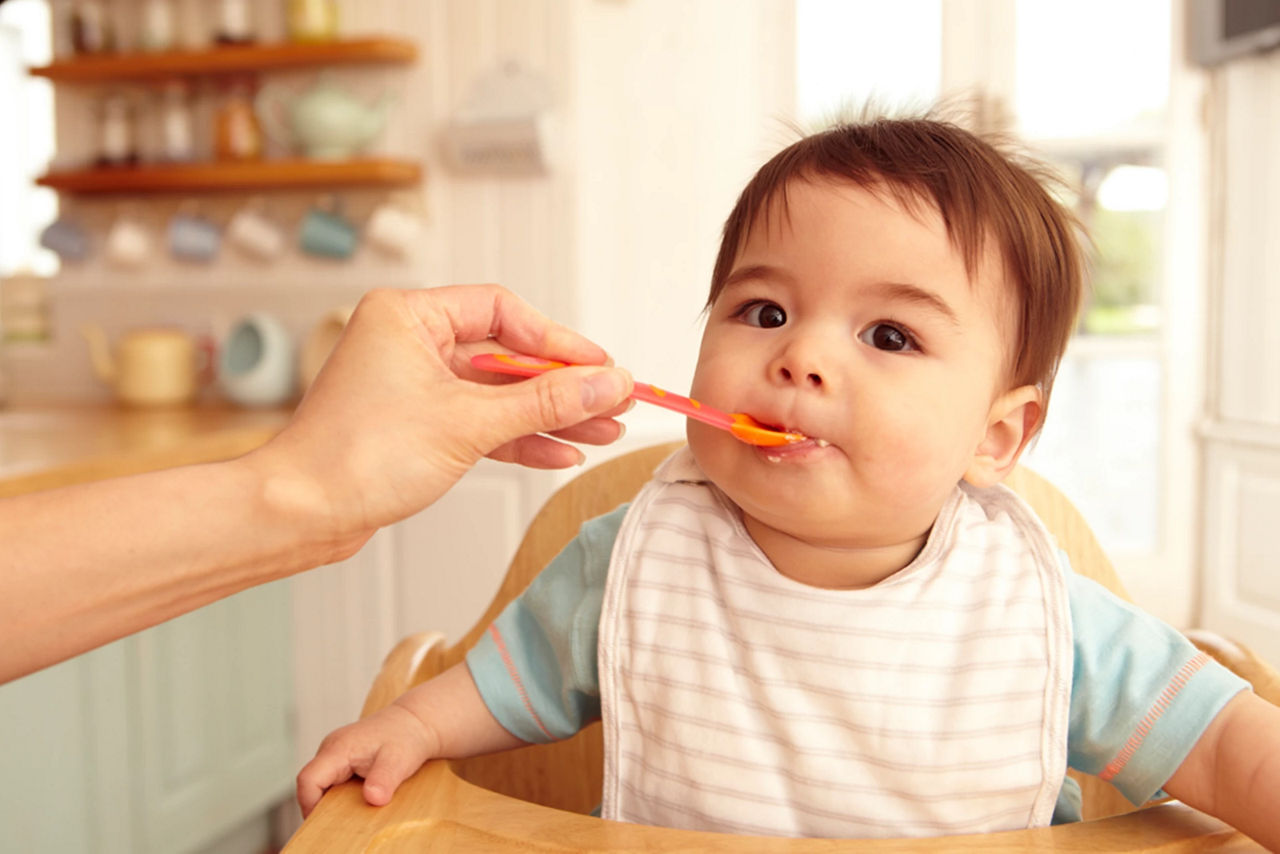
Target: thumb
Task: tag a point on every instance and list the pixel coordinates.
(555, 400)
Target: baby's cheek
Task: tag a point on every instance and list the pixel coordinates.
(914, 453)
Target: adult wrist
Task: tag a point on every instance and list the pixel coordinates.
(296, 506)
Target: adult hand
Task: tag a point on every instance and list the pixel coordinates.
(397, 414)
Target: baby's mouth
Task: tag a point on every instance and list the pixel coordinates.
(808, 441)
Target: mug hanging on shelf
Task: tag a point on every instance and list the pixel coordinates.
(254, 233)
(128, 242)
(395, 225)
(67, 238)
(326, 232)
(192, 236)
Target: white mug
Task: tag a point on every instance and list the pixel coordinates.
(254, 233)
(393, 229)
(128, 244)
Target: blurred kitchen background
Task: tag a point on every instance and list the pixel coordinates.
(238, 173)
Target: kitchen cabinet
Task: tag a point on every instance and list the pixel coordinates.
(160, 742)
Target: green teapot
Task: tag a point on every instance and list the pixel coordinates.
(324, 122)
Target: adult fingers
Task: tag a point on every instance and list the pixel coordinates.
(462, 313)
(554, 401)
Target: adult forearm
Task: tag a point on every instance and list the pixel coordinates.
(84, 565)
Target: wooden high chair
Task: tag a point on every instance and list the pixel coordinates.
(536, 798)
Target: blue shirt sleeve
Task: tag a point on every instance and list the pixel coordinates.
(1141, 693)
(536, 666)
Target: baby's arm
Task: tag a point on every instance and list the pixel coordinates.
(443, 717)
(1233, 772)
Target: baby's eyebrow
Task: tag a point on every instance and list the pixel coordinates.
(756, 271)
(904, 292)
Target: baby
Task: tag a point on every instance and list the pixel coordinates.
(863, 634)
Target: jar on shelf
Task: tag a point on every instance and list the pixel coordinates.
(117, 145)
(157, 29)
(176, 126)
(237, 135)
(91, 27)
(234, 23)
(312, 20)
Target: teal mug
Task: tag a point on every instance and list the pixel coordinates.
(257, 363)
(327, 234)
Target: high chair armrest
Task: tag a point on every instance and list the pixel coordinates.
(1240, 660)
(415, 659)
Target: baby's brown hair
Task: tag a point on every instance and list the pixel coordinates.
(982, 192)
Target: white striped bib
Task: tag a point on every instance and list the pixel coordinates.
(738, 700)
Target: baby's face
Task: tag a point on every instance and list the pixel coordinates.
(854, 322)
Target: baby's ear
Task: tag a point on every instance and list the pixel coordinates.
(1012, 421)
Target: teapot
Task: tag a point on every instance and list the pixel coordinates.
(150, 367)
(326, 122)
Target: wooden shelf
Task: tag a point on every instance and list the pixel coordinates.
(236, 177)
(229, 59)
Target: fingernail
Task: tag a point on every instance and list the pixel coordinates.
(602, 389)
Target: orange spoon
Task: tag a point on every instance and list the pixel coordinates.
(741, 425)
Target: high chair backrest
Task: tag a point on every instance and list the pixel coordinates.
(435, 806)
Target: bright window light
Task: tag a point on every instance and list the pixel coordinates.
(1134, 188)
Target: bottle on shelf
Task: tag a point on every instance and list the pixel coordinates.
(237, 135)
(312, 20)
(91, 27)
(158, 26)
(176, 128)
(234, 23)
(117, 145)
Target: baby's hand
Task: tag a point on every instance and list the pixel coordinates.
(384, 748)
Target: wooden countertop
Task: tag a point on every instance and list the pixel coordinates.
(45, 447)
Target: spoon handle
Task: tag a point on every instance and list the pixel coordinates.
(740, 425)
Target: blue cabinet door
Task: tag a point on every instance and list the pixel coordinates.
(160, 742)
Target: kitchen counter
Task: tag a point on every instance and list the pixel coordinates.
(45, 447)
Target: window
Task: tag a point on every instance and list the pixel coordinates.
(24, 154)
(1119, 439)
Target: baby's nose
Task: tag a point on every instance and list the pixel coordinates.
(809, 377)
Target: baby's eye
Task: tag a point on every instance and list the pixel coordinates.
(766, 315)
(886, 336)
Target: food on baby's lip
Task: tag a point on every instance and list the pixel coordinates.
(741, 425)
